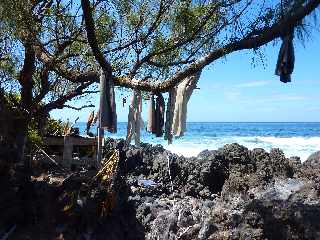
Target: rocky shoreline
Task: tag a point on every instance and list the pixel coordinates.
(229, 193)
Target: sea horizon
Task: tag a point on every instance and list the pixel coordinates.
(233, 122)
(293, 138)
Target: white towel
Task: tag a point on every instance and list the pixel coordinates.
(135, 122)
(183, 94)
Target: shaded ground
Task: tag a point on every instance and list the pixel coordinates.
(231, 193)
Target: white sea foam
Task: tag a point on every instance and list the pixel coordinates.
(201, 136)
(299, 141)
(291, 146)
(185, 151)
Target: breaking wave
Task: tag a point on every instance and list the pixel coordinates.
(291, 146)
(294, 139)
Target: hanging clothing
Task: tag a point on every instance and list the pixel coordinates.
(89, 122)
(151, 115)
(96, 117)
(135, 122)
(169, 115)
(183, 94)
(67, 128)
(286, 58)
(156, 115)
(108, 114)
(159, 115)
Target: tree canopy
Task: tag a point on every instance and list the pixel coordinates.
(52, 50)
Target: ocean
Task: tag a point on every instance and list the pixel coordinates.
(294, 139)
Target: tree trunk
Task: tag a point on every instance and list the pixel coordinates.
(20, 142)
(26, 112)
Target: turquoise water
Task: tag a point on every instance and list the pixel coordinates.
(295, 139)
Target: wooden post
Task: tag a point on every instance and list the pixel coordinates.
(99, 147)
(67, 151)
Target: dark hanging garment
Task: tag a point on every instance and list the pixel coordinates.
(169, 115)
(159, 115)
(285, 63)
(108, 114)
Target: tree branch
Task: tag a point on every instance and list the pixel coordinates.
(78, 108)
(251, 41)
(44, 85)
(26, 74)
(267, 35)
(61, 70)
(92, 39)
(60, 102)
(162, 9)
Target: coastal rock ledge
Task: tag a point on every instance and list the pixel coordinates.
(229, 193)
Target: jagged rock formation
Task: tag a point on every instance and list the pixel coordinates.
(229, 193)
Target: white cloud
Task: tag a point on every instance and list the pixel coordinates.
(232, 95)
(313, 109)
(276, 98)
(253, 84)
(286, 97)
(214, 87)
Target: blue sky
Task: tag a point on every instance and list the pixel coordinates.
(237, 88)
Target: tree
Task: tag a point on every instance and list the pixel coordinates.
(52, 50)
(242, 29)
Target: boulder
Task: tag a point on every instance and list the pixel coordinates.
(313, 160)
(229, 193)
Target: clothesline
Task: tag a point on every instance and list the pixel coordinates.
(164, 119)
(169, 118)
